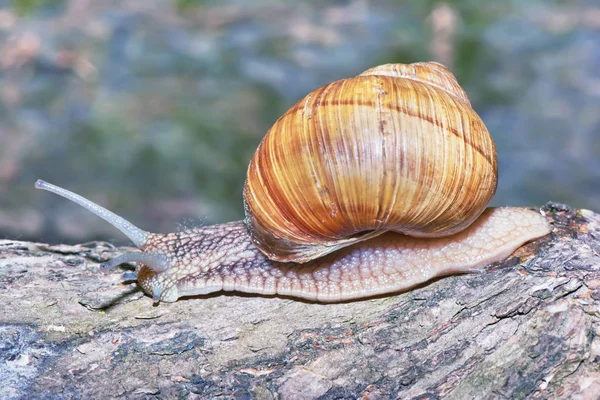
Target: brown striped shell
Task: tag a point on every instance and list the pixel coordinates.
(396, 148)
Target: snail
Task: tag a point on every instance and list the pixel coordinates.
(367, 186)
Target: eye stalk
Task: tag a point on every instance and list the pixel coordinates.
(138, 236)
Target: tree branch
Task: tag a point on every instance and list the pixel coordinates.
(526, 328)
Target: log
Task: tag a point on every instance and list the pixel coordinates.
(525, 328)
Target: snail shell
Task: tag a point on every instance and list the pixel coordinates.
(396, 148)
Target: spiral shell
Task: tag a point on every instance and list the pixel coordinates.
(396, 148)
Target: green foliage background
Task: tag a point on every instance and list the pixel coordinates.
(154, 108)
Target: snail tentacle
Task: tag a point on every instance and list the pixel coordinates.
(156, 294)
(135, 234)
(129, 276)
(155, 261)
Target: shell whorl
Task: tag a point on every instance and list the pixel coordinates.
(396, 148)
(431, 73)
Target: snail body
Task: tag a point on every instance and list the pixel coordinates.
(334, 189)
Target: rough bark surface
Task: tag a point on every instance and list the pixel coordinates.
(528, 328)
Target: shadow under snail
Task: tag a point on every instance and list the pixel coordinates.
(366, 186)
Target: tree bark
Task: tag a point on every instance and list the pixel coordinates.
(527, 328)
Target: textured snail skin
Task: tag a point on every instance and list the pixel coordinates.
(222, 257)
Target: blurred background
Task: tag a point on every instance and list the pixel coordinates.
(153, 108)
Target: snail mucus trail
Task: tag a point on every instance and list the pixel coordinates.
(395, 151)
